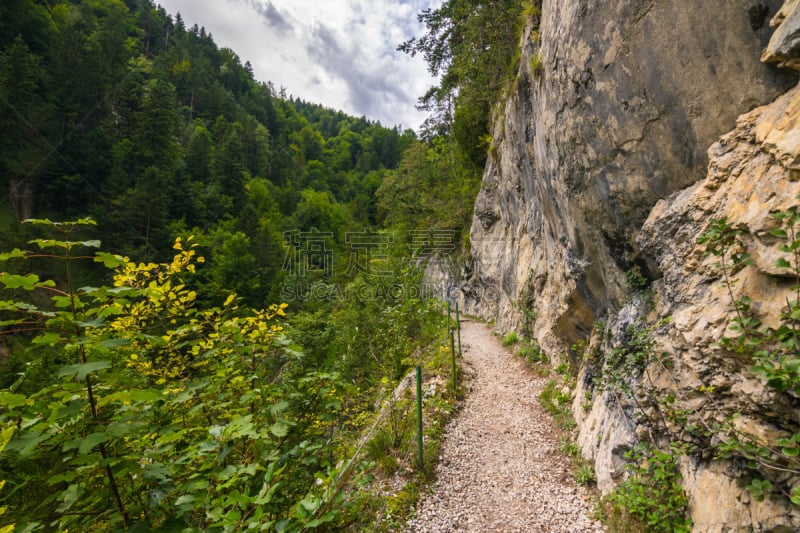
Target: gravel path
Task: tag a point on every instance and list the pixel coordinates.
(500, 467)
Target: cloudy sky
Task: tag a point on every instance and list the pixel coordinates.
(338, 53)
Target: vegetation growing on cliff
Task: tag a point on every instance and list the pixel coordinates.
(772, 350)
(766, 461)
(469, 46)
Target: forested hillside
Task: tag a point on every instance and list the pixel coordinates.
(229, 286)
(117, 111)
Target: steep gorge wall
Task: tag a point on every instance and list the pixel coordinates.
(627, 99)
(604, 130)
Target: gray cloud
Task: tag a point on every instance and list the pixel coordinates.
(325, 46)
(275, 18)
(272, 16)
(340, 53)
(372, 88)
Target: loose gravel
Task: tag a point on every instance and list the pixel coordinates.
(500, 467)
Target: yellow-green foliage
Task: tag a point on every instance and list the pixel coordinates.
(530, 9)
(208, 410)
(5, 436)
(535, 63)
(510, 338)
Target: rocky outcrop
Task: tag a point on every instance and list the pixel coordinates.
(624, 100)
(784, 46)
(751, 175)
(601, 164)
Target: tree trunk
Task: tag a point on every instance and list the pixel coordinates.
(20, 195)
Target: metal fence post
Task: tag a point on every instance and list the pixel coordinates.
(419, 418)
(458, 325)
(453, 359)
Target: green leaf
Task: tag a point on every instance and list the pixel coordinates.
(5, 436)
(795, 496)
(92, 440)
(145, 395)
(791, 452)
(278, 407)
(109, 260)
(131, 396)
(242, 427)
(39, 222)
(264, 497)
(110, 344)
(60, 478)
(778, 232)
(279, 429)
(86, 221)
(155, 472)
(90, 244)
(11, 305)
(14, 281)
(94, 323)
(783, 263)
(10, 400)
(311, 503)
(7, 305)
(62, 302)
(13, 254)
(26, 442)
(118, 429)
(81, 371)
(186, 498)
(49, 338)
(69, 497)
(30, 422)
(49, 243)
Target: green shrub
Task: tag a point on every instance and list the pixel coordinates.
(628, 360)
(402, 503)
(774, 352)
(510, 338)
(380, 448)
(535, 63)
(584, 475)
(557, 402)
(570, 448)
(533, 353)
(651, 499)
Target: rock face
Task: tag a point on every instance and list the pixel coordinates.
(627, 97)
(784, 46)
(600, 164)
(750, 176)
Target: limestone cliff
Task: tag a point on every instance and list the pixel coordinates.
(601, 163)
(626, 98)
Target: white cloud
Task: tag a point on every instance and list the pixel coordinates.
(339, 53)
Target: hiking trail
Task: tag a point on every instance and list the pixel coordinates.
(500, 466)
